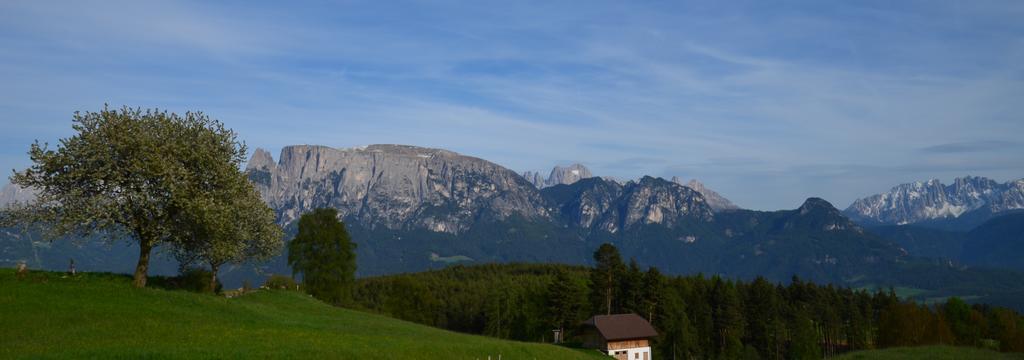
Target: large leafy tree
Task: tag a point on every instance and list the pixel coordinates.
(231, 225)
(129, 172)
(324, 254)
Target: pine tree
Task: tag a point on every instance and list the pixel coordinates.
(565, 301)
(804, 338)
(678, 337)
(761, 309)
(631, 290)
(652, 293)
(605, 277)
(701, 314)
(727, 319)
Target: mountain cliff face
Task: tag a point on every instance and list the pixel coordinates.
(932, 200)
(714, 199)
(408, 188)
(12, 193)
(559, 176)
(567, 175)
(599, 204)
(534, 178)
(584, 203)
(656, 201)
(394, 186)
(261, 160)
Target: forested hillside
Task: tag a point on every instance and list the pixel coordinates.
(996, 243)
(697, 316)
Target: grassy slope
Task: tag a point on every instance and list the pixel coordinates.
(930, 352)
(100, 315)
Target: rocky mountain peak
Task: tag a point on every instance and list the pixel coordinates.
(653, 200)
(559, 176)
(599, 204)
(817, 213)
(614, 180)
(816, 204)
(534, 178)
(12, 193)
(568, 174)
(717, 202)
(260, 160)
(972, 186)
(584, 203)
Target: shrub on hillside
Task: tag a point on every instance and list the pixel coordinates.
(281, 282)
(195, 279)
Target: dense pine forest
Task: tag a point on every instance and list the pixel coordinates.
(697, 316)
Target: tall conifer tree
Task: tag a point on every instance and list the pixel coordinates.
(605, 277)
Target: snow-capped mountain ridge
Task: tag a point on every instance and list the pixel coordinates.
(929, 200)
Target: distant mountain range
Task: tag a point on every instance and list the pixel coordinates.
(410, 208)
(419, 208)
(394, 187)
(974, 221)
(401, 187)
(963, 205)
(570, 174)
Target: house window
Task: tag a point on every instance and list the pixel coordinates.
(636, 355)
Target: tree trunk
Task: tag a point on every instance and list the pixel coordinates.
(142, 267)
(608, 300)
(608, 292)
(213, 277)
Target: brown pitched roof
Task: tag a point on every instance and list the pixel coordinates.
(621, 326)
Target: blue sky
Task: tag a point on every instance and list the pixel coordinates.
(767, 102)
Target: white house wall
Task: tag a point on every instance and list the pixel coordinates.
(634, 353)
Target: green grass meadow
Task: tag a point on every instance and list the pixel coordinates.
(49, 315)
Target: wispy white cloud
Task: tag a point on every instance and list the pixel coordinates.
(804, 94)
